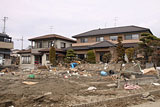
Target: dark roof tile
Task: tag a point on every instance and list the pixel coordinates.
(115, 30)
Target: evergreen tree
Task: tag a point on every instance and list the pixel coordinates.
(70, 54)
(120, 50)
(149, 46)
(52, 56)
(130, 53)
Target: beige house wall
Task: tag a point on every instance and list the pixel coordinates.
(25, 66)
(107, 37)
(6, 45)
(98, 51)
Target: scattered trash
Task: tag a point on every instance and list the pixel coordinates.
(112, 85)
(103, 73)
(148, 96)
(1, 73)
(48, 93)
(156, 84)
(111, 72)
(73, 65)
(32, 76)
(66, 76)
(91, 88)
(29, 83)
(149, 71)
(131, 87)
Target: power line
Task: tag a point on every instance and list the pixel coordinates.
(4, 25)
(22, 39)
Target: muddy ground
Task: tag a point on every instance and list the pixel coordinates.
(53, 90)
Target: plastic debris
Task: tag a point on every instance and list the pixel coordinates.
(103, 73)
(32, 76)
(73, 65)
(91, 88)
(131, 87)
(29, 83)
(156, 84)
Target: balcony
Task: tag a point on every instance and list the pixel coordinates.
(6, 45)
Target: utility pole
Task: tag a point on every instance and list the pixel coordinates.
(115, 21)
(4, 26)
(51, 29)
(21, 42)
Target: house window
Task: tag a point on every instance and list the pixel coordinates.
(113, 38)
(131, 36)
(26, 59)
(98, 39)
(84, 40)
(50, 43)
(63, 45)
(81, 56)
(39, 44)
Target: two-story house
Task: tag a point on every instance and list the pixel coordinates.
(105, 40)
(39, 52)
(6, 45)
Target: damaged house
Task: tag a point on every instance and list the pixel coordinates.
(6, 45)
(102, 41)
(39, 52)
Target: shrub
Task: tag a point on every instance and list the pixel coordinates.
(70, 55)
(107, 57)
(130, 53)
(91, 57)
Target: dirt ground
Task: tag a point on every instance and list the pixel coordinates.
(53, 89)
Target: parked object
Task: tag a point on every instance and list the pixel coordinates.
(103, 73)
(91, 88)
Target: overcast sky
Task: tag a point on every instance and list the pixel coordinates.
(31, 18)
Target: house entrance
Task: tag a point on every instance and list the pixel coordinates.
(38, 59)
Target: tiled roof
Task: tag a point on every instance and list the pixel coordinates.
(103, 44)
(52, 36)
(84, 44)
(114, 30)
(24, 51)
(4, 35)
(47, 50)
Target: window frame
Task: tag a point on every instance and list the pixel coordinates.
(63, 45)
(113, 39)
(26, 59)
(84, 40)
(131, 37)
(100, 39)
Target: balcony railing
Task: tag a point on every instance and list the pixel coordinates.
(6, 45)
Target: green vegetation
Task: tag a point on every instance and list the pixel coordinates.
(120, 50)
(52, 56)
(107, 57)
(130, 53)
(91, 57)
(149, 48)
